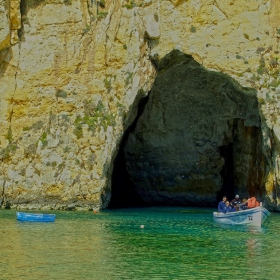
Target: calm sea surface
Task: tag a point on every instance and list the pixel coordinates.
(176, 243)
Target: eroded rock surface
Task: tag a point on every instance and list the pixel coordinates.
(195, 121)
(73, 72)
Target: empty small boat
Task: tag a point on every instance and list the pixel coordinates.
(35, 217)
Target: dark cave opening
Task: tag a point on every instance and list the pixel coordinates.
(243, 171)
(228, 186)
(123, 192)
(196, 138)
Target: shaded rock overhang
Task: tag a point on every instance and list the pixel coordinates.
(198, 138)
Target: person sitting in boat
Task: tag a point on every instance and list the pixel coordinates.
(222, 204)
(228, 209)
(244, 204)
(252, 202)
(235, 202)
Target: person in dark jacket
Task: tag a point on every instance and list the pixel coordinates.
(222, 204)
(234, 203)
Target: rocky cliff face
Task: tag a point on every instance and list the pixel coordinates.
(199, 131)
(73, 72)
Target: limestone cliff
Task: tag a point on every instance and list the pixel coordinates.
(73, 72)
(195, 123)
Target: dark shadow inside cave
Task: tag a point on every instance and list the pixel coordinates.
(196, 138)
(243, 171)
(123, 193)
(228, 186)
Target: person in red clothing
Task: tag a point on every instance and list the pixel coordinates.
(252, 202)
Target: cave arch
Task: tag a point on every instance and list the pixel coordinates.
(197, 139)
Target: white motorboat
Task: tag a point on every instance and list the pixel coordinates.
(253, 216)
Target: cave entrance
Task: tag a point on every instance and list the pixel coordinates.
(198, 137)
(243, 171)
(228, 187)
(123, 191)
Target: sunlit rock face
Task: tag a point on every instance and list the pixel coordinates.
(72, 74)
(198, 137)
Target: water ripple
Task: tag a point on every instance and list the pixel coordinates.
(175, 243)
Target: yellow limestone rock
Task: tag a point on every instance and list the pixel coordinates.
(4, 26)
(69, 85)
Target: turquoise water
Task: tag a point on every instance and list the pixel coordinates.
(176, 243)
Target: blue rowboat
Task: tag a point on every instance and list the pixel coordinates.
(253, 216)
(35, 217)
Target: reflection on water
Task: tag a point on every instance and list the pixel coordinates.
(176, 243)
(242, 228)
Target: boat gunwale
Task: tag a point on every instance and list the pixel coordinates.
(35, 217)
(34, 214)
(220, 215)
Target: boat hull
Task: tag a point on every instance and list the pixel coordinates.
(254, 216)
(35, 217)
